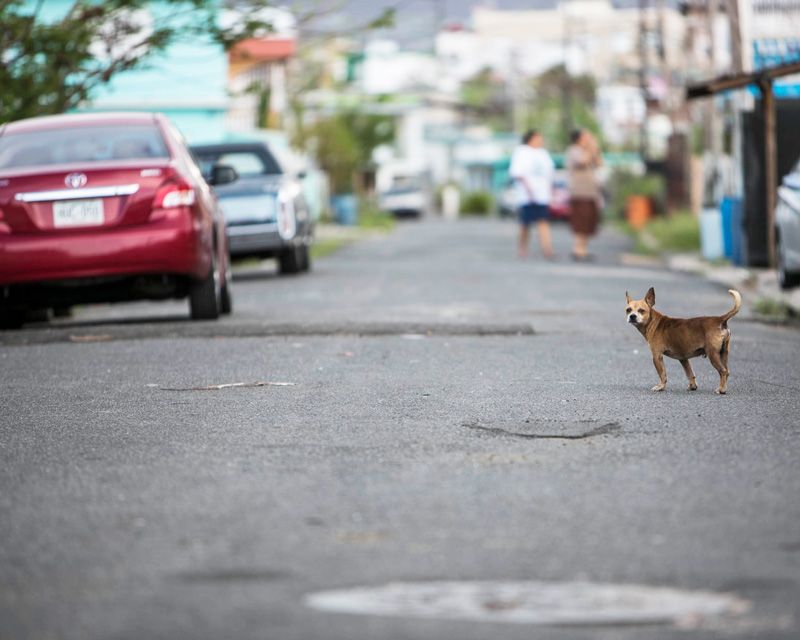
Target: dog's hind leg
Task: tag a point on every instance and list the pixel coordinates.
(687, 368)
(716, 359)
(726, 349)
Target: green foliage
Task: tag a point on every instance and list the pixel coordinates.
(678, 232)
(337, 153)
(486, 96)
(51, 66)
(477, 203)
(370, 216)
(326, 246)
(546, 110)
(772, 309)
(624, 183)
(344, 144)
(697, 137)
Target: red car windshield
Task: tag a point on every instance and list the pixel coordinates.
(81, 144)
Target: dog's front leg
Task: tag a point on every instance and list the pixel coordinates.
(658, 362)
(687, 368)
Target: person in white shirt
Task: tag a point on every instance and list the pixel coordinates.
(532, 170)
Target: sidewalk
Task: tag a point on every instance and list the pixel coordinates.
(766, 297)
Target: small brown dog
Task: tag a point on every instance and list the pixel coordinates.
(683, 338)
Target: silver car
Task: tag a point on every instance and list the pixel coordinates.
(787, 221)
(265, 213)
(407, 196)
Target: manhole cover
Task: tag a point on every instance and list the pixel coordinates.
(537, 603)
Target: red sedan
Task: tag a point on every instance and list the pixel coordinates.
(107, 207)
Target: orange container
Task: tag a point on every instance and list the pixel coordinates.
(638, 210)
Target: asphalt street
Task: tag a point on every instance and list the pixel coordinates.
(436, 410)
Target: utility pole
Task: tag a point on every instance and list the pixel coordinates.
(734, 24)
(668, 105)
(643, 73)
(440, 15)
(712, 139)
(566, 81)
(770, 164)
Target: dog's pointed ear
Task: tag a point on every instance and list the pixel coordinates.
(627, 297)
(650, 298)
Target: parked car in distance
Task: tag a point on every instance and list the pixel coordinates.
(265, 212)
(407, 196)
(559, 203)
(507, 200)
(107, 207)
(787, 233)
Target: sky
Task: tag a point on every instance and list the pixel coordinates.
(418, 20)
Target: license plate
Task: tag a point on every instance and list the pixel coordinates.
(78, 213)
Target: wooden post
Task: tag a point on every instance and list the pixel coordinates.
(770, 162)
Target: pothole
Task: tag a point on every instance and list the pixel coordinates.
(554, 429)
(534, 603)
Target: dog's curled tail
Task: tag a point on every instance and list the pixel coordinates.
(737, 304)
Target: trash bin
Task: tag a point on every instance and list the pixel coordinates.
(731, 212)
(345, 209)
(638, 210)
(711, 244)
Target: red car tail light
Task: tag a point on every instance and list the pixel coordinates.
(174, 194)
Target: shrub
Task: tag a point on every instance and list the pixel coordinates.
(478, 203)
(678, 232)
(370, 216)
(624, 183)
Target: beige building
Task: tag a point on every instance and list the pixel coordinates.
(590, 36)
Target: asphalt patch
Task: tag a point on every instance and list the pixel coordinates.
(546, 429)
(231, 575)
(174, 330)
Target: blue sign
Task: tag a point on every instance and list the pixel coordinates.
(772, 52)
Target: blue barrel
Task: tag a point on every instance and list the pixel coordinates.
(731, 211)
(345, 209)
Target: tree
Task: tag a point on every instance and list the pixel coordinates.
(562, 102)
(487, 96)
(344, 144)
(49, 66)
(53, 65)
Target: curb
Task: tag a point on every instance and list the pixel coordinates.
(761, 284)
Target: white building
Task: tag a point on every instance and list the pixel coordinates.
(620, 111)
(386, 69)
(589, 36)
